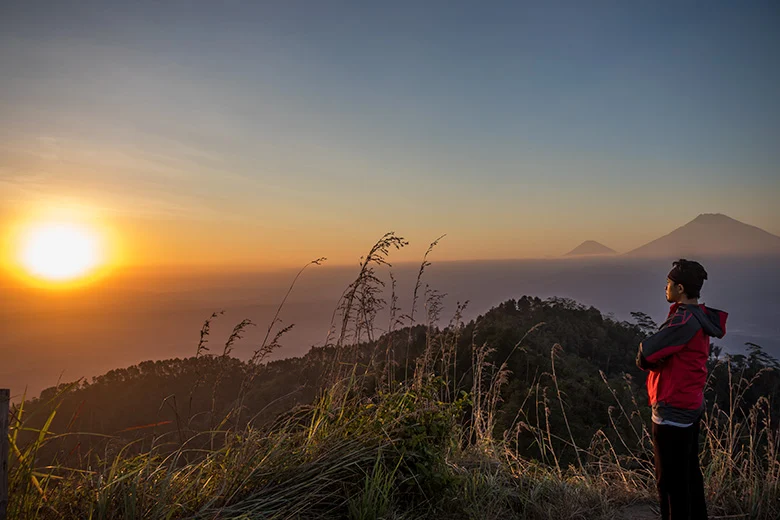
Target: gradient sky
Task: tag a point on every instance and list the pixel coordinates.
(272, 133)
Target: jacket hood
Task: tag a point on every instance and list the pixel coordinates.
(713, 321)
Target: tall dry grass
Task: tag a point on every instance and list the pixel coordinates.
(421, 446)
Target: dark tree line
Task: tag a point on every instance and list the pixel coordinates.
(594, 373)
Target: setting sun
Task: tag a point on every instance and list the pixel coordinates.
(60, 252)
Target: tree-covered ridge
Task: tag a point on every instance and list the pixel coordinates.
(142, 388)
(533, 410)
(594, 373)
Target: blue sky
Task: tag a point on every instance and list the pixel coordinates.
(519, 129)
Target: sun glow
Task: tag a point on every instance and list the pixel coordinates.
(59, 252)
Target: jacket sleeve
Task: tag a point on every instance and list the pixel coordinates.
(679, 330)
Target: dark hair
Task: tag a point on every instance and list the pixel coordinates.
(690, 275)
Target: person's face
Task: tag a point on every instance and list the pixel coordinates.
(674, 291)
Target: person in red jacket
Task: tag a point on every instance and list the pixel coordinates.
(676, 359)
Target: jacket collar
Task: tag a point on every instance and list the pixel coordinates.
(673, 307)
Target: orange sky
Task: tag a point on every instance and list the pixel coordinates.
(222, 235)
(229, 241)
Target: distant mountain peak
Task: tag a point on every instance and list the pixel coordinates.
(591, 247)
(712, 234)
(713, 218)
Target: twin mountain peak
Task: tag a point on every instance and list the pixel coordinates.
(709, 234)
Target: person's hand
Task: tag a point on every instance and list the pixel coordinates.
(660, 364)
(644, 364)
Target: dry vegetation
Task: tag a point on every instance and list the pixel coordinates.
(375, 445)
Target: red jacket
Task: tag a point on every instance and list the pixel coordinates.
(677, 354)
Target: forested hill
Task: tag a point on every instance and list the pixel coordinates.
(533, 410)
(197, 393)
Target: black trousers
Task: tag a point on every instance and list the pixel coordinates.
(677, 472)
